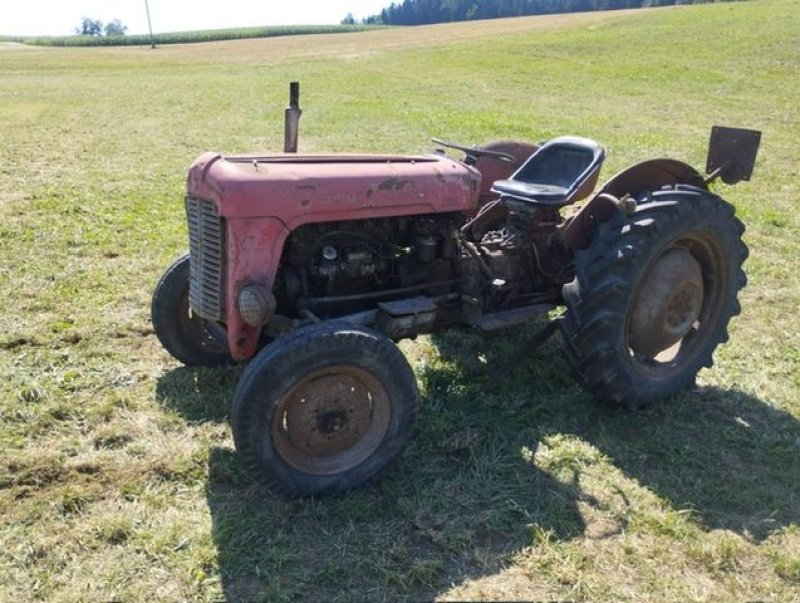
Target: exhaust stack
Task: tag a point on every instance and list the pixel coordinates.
(292, 119)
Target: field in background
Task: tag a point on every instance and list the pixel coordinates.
(187, 37)
(118, 480)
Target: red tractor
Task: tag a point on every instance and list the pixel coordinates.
(311, 266)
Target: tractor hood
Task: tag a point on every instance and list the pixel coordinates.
(298, 189)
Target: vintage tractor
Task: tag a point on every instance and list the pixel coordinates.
(311, 266)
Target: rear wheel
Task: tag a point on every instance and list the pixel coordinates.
(324, 409)
(653, 295)
(183, 334)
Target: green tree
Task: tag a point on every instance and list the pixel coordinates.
(417, 12)
(90, 27)
(116, 28)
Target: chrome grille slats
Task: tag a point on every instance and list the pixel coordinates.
(207, 250)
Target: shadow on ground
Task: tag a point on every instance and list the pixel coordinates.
(468, 493)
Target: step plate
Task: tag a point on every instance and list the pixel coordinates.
(510, 318)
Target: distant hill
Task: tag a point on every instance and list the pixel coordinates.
(420, 12)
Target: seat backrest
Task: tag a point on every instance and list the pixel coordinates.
(569, 162)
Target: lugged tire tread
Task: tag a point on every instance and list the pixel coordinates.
(597, 297)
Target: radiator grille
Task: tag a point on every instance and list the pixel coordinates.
(207, 259)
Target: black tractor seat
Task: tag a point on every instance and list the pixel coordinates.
(561, 171)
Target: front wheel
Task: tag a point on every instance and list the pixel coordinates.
(653, 295)
(184, 335)
(324, 409)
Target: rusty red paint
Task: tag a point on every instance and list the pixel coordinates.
(492, 170)
(254, 247)
(334, 188)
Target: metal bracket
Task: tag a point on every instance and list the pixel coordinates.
(731, 154)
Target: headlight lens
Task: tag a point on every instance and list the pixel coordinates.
(256, 304)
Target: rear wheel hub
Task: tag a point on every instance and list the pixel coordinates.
(667, 304)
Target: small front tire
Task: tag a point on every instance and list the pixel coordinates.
(323, 409)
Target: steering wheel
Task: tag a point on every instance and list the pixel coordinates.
(474, 152)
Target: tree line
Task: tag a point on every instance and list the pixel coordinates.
(420, 12)
(95, 27)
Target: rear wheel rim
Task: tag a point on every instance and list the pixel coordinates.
(695, 313)
(332, 420)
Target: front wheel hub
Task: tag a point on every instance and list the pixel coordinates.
(667, 304)
(332, 420)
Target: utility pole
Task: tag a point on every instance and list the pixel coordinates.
(149, 25)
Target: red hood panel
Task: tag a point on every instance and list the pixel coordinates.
(298, 189)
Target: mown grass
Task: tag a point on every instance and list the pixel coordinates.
(118, 480)
(187, 37)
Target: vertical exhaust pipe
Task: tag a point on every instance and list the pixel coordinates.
(292, 119)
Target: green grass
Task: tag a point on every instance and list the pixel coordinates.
(118, 480)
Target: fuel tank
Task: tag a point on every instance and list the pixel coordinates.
(299, 189)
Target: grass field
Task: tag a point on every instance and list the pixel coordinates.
(118, 480)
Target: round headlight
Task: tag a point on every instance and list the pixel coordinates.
(256, 304)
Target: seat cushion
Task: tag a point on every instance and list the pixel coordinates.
(561, 171)
(548, 194)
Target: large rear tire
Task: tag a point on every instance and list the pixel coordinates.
(653, 295)
(182, 334)
(324, 409)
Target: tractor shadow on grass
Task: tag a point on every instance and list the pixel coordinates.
(503, 457)
(199, 395)
(405, 536)
(453, 507)
(727, 457)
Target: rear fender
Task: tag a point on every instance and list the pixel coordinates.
(651, 175)
(639, 178)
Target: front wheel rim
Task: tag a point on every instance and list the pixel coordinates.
(332, 420)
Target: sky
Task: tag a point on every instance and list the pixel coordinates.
(61, 17)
